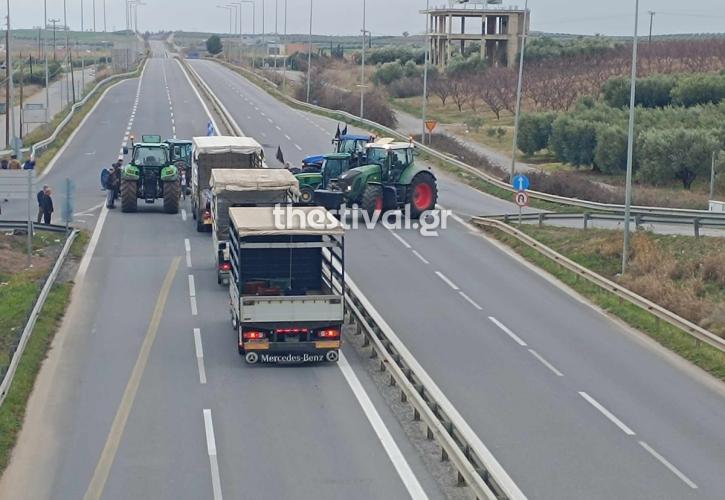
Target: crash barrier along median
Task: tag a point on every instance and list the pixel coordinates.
(42, 145)
(639, 220)
(698, 333)
(562, 200)
(34, 314)
(475, 464)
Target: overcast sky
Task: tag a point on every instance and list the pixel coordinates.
(385, 17)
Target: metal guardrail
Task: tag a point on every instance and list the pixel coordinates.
(22, 225)
(562, 200)
(700, 334)
(474, 463)
(229, 123)
(41, 145)
(638, 219)
(34, 314)
(476, 466)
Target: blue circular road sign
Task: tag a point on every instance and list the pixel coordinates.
(521, 183)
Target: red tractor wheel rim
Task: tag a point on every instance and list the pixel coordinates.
(422, 196)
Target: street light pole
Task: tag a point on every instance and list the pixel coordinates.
(362, 65)
(518, 91)
(104, 16)
(425, 69)
(284, 67)
(82, 24)
(651, 21)
(630, 142)
(93, 2)
(45, 53)
(309, 56)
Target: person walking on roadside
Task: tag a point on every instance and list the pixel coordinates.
(47, 205)
(112, 182)
(14, 164)
(40, 196)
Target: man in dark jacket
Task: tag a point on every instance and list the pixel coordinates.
(47, 205)
(40, 196)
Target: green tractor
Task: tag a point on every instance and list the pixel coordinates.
(180, 155)
(333, 165)
(389, 180)
(150, 175)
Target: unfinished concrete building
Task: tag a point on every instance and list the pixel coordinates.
(499, 32)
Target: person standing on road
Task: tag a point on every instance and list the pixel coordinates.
(14, 164)
(111, 186)
(41, 196)
(47, 205)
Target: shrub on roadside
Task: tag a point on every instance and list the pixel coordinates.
(534, 132)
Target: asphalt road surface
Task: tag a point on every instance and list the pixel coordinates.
(573, 404)
(144, 396)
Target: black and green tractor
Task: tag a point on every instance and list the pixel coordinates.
(332, 167)
(180, 155)
(150, 175)
(389, 180)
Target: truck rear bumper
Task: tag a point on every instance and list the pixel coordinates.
(292, 352)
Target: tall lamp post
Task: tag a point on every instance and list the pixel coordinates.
(238, 6)
(229, 10)
(45, 54)
(309, 56)
(362, 65)
(284, 61)
(630, 141)
(514, 148)
(426, 62)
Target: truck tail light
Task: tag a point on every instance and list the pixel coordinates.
(253, 335)
(329, 333)
(225, 266)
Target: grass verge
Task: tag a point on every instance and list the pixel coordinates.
(674, 339)
(12, 411)
(41, 162)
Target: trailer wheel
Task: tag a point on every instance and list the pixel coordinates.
(332, 356)
(235, 324)
(251, 358)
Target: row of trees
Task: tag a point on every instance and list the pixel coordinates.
(658, 91)
(671, 143)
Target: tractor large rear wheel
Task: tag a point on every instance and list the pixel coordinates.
(372, 199)
(129, 201)
(422, 194)
(172, 194)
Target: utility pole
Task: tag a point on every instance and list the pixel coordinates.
(425, 70)
(362, 65)
(8, 102)
(54, 22)
(284, 67)
(309, 56)
(45, 54)
(630, 142)
(69, 59)
(263, 25)
(104, 16)
(93, 2)
(518, 90)
(651, 21)
(82, 24)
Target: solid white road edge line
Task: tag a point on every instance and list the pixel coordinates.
(667, 464)
(507, 331)
(447, 281)
(415, 490)
(216, 483)
(504, 480)
(199, 355)
(546, 363)
(198, 96)
(607, 414)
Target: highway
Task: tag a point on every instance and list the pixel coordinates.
(144, 395)
(572, 403)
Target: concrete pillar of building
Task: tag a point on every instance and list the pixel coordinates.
(448, 41)
(513, 40)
